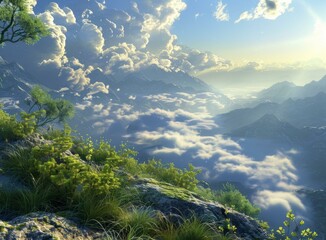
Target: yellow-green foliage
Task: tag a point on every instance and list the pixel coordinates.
(103, 153)
(186, 178)
(292, 229)
(11, 129)
(71, 173)
(231, 197)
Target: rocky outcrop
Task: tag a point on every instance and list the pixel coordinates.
(41, 226)
(175, 202)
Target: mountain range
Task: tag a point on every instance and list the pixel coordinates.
(307, 112)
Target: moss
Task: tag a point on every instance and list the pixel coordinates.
(20, 226)
(172, 191)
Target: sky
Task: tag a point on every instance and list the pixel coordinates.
(236, 46)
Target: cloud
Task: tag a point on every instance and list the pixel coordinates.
(268, 9)
(220, 14)
(266, 199)
(116, 41)
(98, 87)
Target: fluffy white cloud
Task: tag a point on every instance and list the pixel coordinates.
(266, 199)
(268, 9)
(98, 87)
(220, 14)
(63, 16)
(115, 40)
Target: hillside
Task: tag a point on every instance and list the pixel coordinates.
(58, 179)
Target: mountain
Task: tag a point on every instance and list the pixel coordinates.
(15, 84)
(278, 92)
(270, 127)
(282, 91)
(307, 112)
(179, 79)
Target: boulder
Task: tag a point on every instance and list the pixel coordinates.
(41, 226)
(175, 202)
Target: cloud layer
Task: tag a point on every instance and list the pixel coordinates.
(115, 40)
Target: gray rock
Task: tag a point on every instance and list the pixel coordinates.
(173, 202)
(41, 226)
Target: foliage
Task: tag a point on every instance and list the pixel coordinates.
(69, 172)
(191, 228)
(170, 174)
(17, 24)
(293, 229)
(18, 161)
(231, 197)
(141, 221)
(93, 209)
(11, 129)
(48, 109)
(25, 200)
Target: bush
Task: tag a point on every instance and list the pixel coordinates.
(233, 198)
(11, 129)
(69, 172)
(170, 174)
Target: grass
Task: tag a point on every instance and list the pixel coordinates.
(16, 202)
(192, 228)
(92, 209)
(141, 221)
(18, 162)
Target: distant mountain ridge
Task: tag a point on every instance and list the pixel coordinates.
(179, 79)
(270, 127)
(307, 112)
(282, 91)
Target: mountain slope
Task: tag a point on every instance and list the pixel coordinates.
(179, 79)
(282, 91)
(300, 113)
(270, 127)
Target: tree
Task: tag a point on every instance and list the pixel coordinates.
(17, 24)
(48, 109)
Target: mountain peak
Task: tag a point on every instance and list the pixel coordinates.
(269, 119)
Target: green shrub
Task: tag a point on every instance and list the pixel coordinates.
(232, 197)
(71, 173)
(11, 129)
(170, 174)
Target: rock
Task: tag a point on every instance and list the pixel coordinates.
(173, 202)
(41, 226)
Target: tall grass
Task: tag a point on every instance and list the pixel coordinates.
(19, 163)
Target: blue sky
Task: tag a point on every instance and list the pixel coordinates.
(248, 39)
